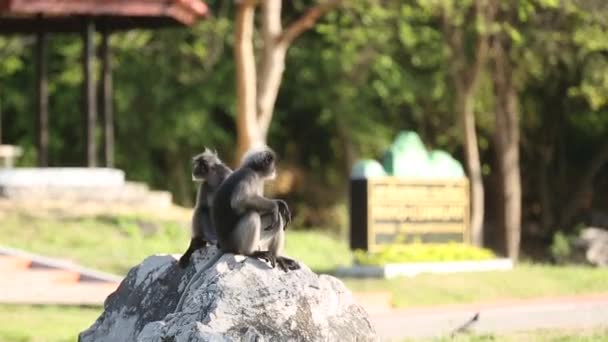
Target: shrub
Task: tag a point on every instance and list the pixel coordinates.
(419, 252)
(560, 249)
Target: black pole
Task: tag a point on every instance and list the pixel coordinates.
(42, 97)
(107, 96)
(90, 103)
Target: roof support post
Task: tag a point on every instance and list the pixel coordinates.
(107, 98)
(42, 98)
(90, 102)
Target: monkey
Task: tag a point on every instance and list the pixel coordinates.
(209, 171)
(246, 222)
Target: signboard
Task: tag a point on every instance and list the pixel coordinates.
(390, 210)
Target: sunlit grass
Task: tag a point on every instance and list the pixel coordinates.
(25, 323)
(117, 243)
(525, 281)
(544, 335)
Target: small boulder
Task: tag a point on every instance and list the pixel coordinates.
(228, 298)
(594, 241)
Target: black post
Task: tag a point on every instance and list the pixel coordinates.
(107, 96)
(90, 103)
(42, 97)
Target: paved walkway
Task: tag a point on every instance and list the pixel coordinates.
(577, 312)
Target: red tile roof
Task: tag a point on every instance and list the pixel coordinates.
(63, 15)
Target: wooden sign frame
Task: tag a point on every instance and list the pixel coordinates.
(390, 209)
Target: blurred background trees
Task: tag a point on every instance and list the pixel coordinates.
(510, 88)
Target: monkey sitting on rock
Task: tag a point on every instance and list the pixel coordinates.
(210, 172)
(246, 222)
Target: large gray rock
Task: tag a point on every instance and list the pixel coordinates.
(595, 243)
(228, 298)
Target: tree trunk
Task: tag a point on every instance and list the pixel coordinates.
(42, 96)
(257, 97)
(90, 103)
(473, 165)
(273, 63)
(573, 206)
(247, 125)
(0, 116)
(506, 140)
(106, 102)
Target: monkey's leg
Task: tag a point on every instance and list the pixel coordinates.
(274, 240)
(195, 243)
(266, 256)
(267, 221)
(246, 235)
(287, 264)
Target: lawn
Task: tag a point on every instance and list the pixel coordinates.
(24, 323)
(21, 323)
(585, 335)
(525, 281)
(117, 243)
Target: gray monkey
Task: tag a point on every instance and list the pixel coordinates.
(246, 222)
(210, 172)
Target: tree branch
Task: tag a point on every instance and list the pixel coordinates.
(306, 21)
(485, 14)
(272, 64)
(247, 125)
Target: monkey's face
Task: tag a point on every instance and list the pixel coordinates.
(267, 166)
(200, 169)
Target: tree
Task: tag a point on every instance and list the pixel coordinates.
(465, 74)
(256, 97)
(506, 143)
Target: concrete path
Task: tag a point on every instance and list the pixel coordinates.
(577, 312)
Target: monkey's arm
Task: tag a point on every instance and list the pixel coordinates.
(243, 199)
(206, 226)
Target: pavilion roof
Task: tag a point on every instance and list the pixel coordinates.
(25, 16)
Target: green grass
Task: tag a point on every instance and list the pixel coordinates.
(117, 243)
(319, 251)
(23, 323)
(525, 281)
(582, 335)
(112, 244)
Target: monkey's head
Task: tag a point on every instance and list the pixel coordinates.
(207, 166)
(262, 161)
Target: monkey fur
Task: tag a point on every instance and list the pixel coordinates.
(246, 222)
(209, 171)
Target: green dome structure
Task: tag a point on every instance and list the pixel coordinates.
(408, 157)
(367, 168)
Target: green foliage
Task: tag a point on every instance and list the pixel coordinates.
(422, 252)
(365, 72)
(561, 247)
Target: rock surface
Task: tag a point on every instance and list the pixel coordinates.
(595, 243)
(228, 298)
